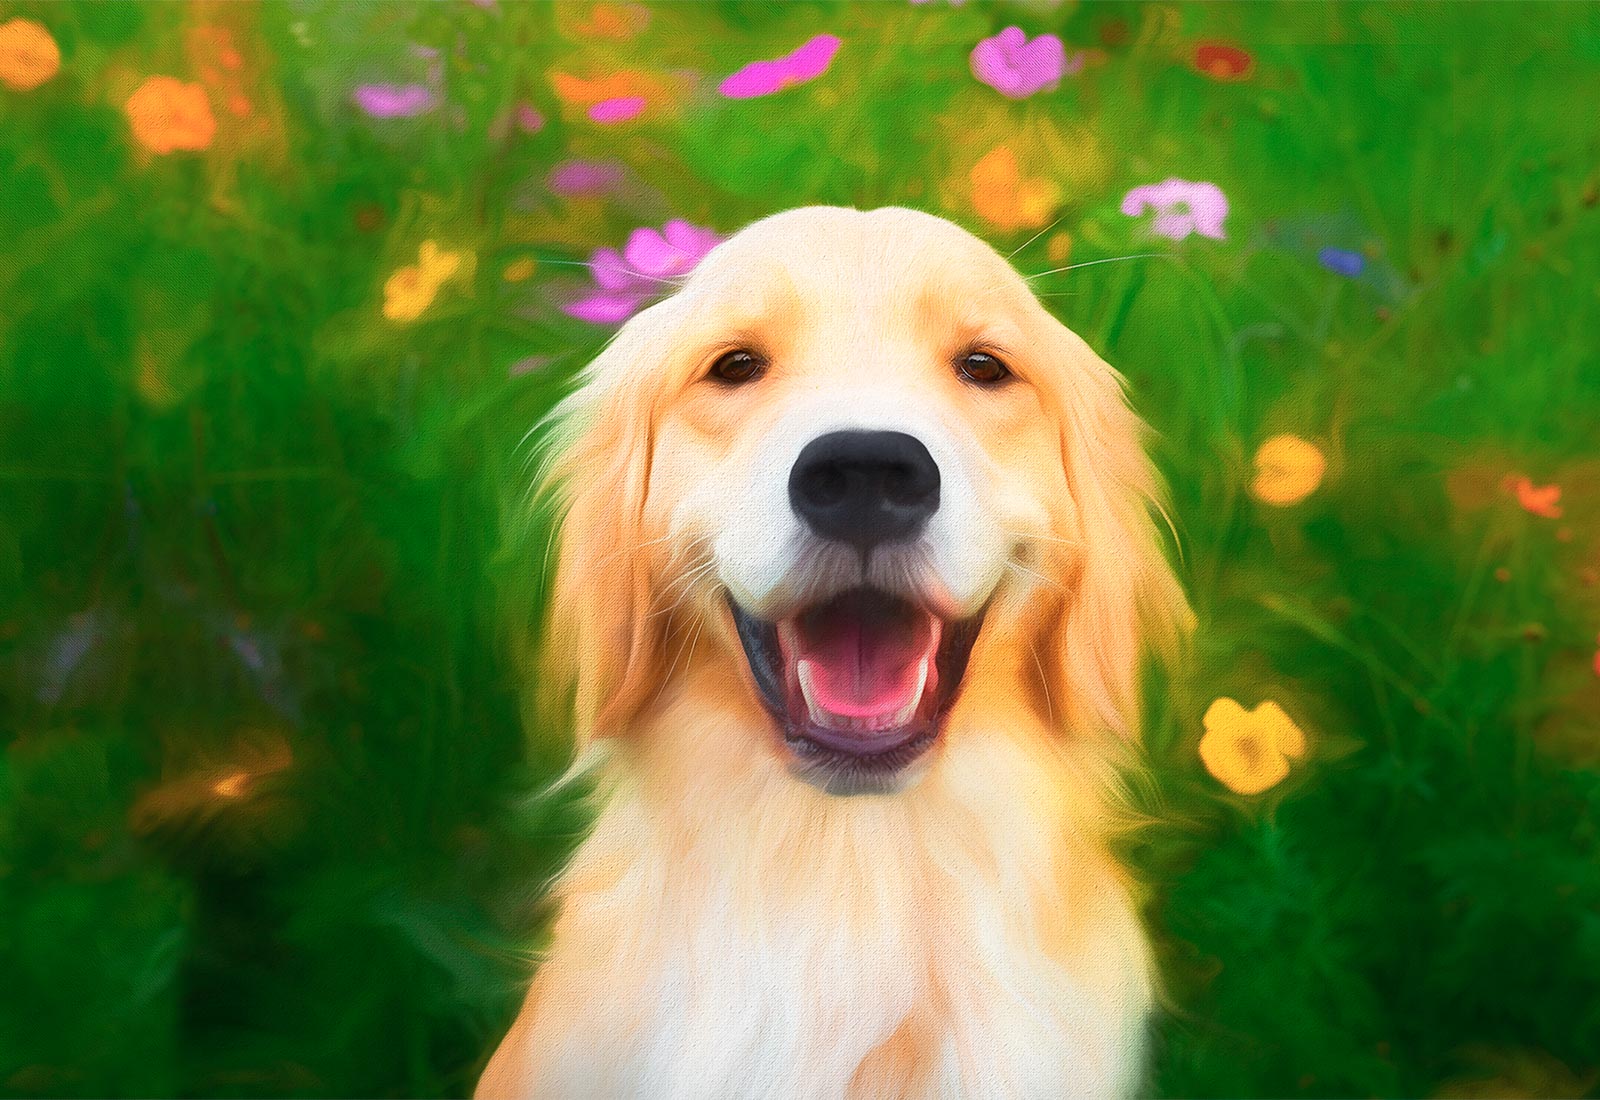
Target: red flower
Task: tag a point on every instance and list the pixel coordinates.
(1538, 500)
(1223, 61)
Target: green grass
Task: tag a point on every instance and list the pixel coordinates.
(249, 525)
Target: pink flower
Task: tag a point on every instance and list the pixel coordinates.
(619, 109)
(394, 100)
(650, 259)
(1181, 207)
(1017, 68)
(761, 78)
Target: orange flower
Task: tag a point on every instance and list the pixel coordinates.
(166, 115)
(1538, 500)
(28, 55)
(1288, 469)
(615, 21)
(581, 92)
(1248, 751)
(1004, 199)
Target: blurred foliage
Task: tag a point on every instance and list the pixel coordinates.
(265, 821)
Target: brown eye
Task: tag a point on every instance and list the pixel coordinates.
(982, 368)
(737, 366)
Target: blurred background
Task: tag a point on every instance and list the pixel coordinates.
(283, 288)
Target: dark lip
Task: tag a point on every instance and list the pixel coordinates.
(824, 756)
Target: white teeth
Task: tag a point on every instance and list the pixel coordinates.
(788, 636)
(819, 715)
(825, 718)
(903, 715)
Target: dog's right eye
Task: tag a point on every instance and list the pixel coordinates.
(736, 367)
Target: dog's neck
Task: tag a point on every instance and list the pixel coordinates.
(969, 928)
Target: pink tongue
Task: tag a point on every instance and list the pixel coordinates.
(861, 669)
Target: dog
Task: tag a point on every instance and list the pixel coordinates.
(859, 563)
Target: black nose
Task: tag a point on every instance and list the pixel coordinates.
(865, 488)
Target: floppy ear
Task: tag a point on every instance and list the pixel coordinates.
(1123, 600)
(600, 644)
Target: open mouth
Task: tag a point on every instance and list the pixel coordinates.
(858, 682)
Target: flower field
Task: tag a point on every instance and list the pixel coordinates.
(285, 287)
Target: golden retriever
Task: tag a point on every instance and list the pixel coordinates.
(858, 563)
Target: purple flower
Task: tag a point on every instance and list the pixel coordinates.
(624, 280)
(395, 100)
(585, 177)
(1181, 207)
(529, 119)
(1016, 67)
(1342, 261)
(761, 78)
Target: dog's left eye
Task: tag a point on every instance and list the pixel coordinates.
(982, 368)
(737, 366)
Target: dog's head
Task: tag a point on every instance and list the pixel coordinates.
(850, 483)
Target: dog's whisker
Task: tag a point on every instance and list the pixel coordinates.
(692, 575)
(1093, 263)
(1036, 576)
(1037, 235)
(1043, 537)
(687, 583)
(675, 604)
(687, 549)
(698, 622)
(673, 282)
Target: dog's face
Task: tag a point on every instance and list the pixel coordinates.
(857, 463)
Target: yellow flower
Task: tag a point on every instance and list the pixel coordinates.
(1004, 199)
(411, 290)
(1249, 751)
(166, 115)
(28, 55)
(519, 270)
(1288, 469)
(435, 265)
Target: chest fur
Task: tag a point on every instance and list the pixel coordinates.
(936, 968)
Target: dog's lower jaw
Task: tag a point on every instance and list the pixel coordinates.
(918, 945)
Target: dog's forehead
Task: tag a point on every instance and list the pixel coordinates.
(891, 260)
